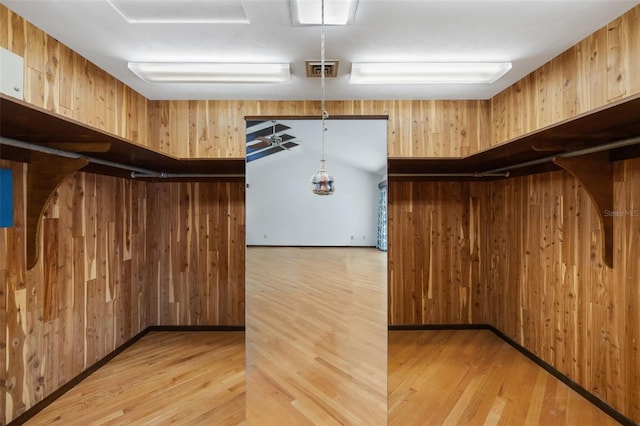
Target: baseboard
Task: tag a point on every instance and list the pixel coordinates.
(31, 412)
(196, 328)
(615, 414)
(416, 327)
(28, 414)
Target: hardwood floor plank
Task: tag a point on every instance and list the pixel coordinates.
(165, 377)
(472, 377)
(317, 345)
(316, 336)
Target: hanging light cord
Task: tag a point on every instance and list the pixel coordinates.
(324, 111)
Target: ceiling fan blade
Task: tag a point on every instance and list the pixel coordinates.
(288, 145)
(259, 145)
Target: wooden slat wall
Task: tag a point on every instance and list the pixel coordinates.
(85, 297)
(118, 255)
(603, 68)
(424, 128)
(433, 257)
(60, 80)
(520, 254)
(545, 286)
(196, 253)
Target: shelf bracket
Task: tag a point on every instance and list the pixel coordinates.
(45, 173)
(595, 173)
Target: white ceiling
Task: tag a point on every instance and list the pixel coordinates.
(527, 33)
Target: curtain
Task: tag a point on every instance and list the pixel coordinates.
(381, 243)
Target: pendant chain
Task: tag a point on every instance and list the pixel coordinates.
(322, 77)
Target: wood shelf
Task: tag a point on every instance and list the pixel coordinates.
(615, 122)
(612, 123)
(28, 123)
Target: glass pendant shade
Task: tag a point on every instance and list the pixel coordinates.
(322, 183)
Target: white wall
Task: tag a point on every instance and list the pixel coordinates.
(282, 210)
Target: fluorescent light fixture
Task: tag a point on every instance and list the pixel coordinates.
(210, 72)
(428, 72)
(336, 12)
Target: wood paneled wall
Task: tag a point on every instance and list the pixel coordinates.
(117, 256)
(433, 253)
(602, 68)
(85, 297)
(545, 286)
(60, 80)
(425, 128)
(196, 253)
(521, 254)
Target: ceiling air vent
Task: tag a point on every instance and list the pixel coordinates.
(314, 69)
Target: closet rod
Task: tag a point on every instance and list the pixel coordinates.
(137, 175)
(504, 171)
(591, 150)
(136, 172)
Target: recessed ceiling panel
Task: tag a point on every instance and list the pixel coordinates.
(180, 11)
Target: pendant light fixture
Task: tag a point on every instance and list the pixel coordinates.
(322, 183)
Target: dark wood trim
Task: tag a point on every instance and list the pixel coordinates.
(432, 327)
(595, 173)
(612, 123)
(615, 414)
(27, 415)
(31, 412)
(44, 175)
(618, 416)
(197, 328)
(17, 122)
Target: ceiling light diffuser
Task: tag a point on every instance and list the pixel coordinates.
(428, 72)
(336, 12)
(210, 72)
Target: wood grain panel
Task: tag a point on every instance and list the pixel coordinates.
(110, 244)
(196, 257)
(427, 128)
(60, 80)
(433, 253)
(546, 285)
(601, 69)
(57, 318)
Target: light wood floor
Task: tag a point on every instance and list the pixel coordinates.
(185, 378)
(472, 377)
(316, 336)
(317, 354)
